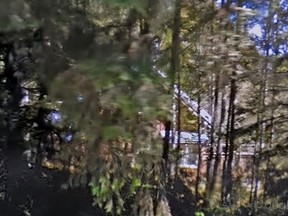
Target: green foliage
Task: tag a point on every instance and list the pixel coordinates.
(113, 100)
(116, 184)
(199, 214)
(120, 102)
(104, 191)
(15, 16)
(140, 6)
(283, 68)
(110, 100)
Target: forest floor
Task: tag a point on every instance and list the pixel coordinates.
(39, 189)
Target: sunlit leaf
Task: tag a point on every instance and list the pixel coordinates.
(109, 206)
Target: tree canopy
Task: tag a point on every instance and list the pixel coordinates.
(83, 92)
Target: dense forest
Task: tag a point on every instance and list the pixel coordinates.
(155, 107)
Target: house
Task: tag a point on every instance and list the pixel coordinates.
(189, 141)
(189, 146)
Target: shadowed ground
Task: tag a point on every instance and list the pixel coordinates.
(40, 190)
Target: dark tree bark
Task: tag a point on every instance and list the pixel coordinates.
(231, 138)
(218, 143)
(175, 69)
(261, 130)
(198, 177)
(166, 142)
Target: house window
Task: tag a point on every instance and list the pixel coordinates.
(189, 156)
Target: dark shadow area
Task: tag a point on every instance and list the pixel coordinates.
(279, 188)
(39, 190)
(181, 200)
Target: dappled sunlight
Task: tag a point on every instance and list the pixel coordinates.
(143, 108)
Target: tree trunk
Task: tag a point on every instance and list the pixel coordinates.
(261, 131)
(269, 167)
(231, 135)
(198, 177)
(218, 153)
(175, 70)
(166, 142)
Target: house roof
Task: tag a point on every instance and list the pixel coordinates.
(186, 137)
(185, 99)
